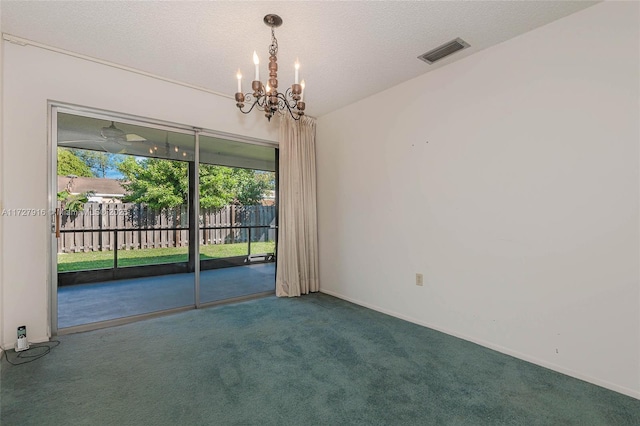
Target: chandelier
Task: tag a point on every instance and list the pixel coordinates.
(267, 98)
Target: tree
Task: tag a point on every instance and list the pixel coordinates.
(252, 186)
(73, 202)
(157, 183)
(217, 186)
(99, 162)
(70, 164)
(164, 183)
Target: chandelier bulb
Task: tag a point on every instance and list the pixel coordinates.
(256, 62)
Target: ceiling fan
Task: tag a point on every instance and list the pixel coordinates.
(111, 139)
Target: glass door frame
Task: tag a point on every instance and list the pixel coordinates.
(53, 109)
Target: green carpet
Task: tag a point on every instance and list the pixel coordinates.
(315, 360)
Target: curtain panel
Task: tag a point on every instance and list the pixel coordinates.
(297, 261)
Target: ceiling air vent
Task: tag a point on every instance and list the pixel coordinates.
(443, 51)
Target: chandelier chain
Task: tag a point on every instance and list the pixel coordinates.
(273, 48)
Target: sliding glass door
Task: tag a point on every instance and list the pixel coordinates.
(237, 219)
(123, 212)
(147, 222)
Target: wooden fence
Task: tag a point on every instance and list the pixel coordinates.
(143, 226)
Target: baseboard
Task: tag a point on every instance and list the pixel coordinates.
(551, 366)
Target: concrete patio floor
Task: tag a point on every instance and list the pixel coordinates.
(88, 303)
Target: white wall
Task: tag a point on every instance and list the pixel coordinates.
(511, 180)
(31, 77)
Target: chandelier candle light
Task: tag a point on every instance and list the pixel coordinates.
(266, 97)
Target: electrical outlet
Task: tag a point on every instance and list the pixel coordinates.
(419, 279)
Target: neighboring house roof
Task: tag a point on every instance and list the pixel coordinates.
(79, 185)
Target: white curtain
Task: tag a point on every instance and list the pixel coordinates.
(297, 262)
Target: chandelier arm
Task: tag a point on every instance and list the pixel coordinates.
(253, 100)
(250, 109)
(283, 103)
(290, 99)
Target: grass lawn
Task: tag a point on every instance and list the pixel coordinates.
(104, 259)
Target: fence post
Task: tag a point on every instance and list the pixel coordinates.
(115, 249)
(100, 247)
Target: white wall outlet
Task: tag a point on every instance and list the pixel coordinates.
(419, 279)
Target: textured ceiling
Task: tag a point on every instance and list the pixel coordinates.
(347, 50)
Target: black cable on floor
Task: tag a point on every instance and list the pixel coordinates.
(35, 352)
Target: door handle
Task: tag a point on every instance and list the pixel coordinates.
(58, 222)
